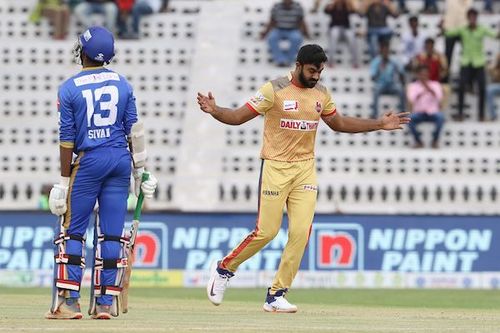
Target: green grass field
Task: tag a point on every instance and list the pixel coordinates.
(320, 310)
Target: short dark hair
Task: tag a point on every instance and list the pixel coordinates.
(429, 40)
(311, 54)
(413, 18)
(472, 11)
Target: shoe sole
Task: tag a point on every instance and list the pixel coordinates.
(274, 310)
(102, 316)
(55, 316)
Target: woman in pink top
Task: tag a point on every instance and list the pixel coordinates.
(424, 97)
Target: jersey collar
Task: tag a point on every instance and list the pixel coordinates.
(91, 68)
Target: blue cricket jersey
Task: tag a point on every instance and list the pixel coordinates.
(96, 109)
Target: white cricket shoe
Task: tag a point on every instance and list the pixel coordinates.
(217, 284)
(278, 303)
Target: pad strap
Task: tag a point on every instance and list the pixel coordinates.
(101, 263)
(62, 237)
(109, 238)
(107, 290)
(67, 284)
(69, 259)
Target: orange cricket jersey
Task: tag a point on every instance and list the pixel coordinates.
(291, 117)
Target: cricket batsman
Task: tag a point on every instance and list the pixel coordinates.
(292, 107)
(97, 122)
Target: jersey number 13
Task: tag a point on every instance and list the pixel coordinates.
(110, 106)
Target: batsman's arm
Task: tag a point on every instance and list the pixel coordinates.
(67, 131)
(66, 155)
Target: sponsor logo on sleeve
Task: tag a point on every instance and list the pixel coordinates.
(290, 106)
(299, 125)
(255, 100)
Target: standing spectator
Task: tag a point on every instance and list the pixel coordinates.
(455, 16)
(434, 61)
(57, 12)
(124, 9)
(286, 23)
(493, 88)
(413, 42)
(339, 11)
(141, 8)
(377, 12)
(108, 8)
(488, 6)
(386, 72)
(402, 7)
(424, 99)
(473, 60)
(430, 7)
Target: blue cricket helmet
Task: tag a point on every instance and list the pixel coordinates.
(98, 44)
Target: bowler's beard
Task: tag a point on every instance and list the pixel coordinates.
(305, 82)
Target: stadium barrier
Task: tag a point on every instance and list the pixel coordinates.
(344, 251)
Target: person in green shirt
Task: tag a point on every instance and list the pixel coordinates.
(473, 60)
(57, 12)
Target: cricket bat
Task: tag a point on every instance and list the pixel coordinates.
(130, 257)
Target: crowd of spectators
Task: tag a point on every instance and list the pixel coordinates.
(416, 73)
(119, 16)
(399, 73)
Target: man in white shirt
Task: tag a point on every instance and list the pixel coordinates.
(413, 42)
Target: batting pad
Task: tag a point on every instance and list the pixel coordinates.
(138, 142)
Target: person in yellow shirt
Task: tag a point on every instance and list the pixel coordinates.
(292, 107)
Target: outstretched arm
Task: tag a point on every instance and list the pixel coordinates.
(225, 115)
(389, 121)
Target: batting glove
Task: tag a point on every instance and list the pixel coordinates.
(148, 187)
(58, 197)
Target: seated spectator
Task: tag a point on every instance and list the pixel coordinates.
(424, 99)
(413, 43)
(493, 88)
(434, 61)
(377, 12)
(141, 8)
(386, 72)
(473, 60)
(340, 27)
(85, 10)
(437, 66)
(57, 12)
(286, 23)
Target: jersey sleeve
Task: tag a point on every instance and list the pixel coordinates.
(67, 127)
(263, 100)
(130, 111)
(330, 108)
